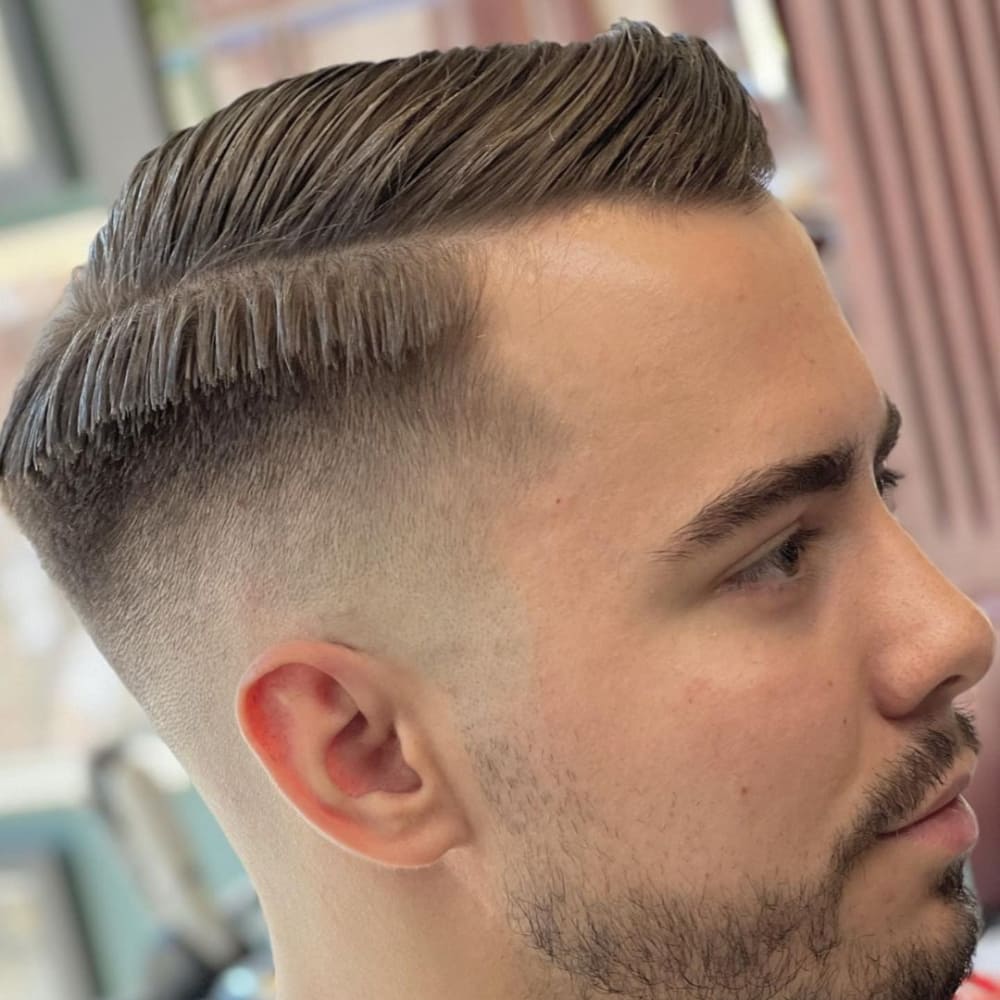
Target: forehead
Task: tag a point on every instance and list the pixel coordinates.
(684, 351)
(690, 326)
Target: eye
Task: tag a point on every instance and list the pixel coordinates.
(887, 480)
(782, 563)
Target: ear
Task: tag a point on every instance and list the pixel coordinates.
(340, 736)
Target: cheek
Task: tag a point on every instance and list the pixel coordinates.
(781, 753)
(682, 770)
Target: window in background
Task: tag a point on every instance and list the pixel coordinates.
(208, 52)
(36, 165)
(16, 147)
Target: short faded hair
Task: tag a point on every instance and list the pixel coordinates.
(278, 343)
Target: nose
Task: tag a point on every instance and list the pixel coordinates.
(932, 642)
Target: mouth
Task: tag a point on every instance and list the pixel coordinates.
(948, 822)
(945, 798)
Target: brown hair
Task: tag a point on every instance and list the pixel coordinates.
(278, 344)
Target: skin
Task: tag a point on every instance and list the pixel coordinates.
(685, 798)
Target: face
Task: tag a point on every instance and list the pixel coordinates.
(711, 745)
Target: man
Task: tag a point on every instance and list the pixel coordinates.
(464, 461)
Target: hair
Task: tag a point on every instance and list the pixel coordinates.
(275, 365)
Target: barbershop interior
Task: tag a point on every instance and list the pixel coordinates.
(116, 881)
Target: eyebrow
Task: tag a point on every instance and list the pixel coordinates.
(756, 494)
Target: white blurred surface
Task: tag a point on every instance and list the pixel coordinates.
(988, 953)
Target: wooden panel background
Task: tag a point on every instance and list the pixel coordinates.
(905, 98)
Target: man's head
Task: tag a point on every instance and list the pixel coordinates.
(368, 446)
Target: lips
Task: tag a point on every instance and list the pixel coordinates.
(948, 794)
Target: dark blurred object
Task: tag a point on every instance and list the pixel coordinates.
(820, 229)
(202, 937)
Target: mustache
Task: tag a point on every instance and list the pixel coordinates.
(924, 767)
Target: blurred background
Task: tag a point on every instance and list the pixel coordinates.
(115, 881)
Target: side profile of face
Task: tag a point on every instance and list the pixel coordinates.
(689, 797)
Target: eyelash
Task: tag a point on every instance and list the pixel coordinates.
(788, 555)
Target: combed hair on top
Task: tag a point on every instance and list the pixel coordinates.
(278, 341)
